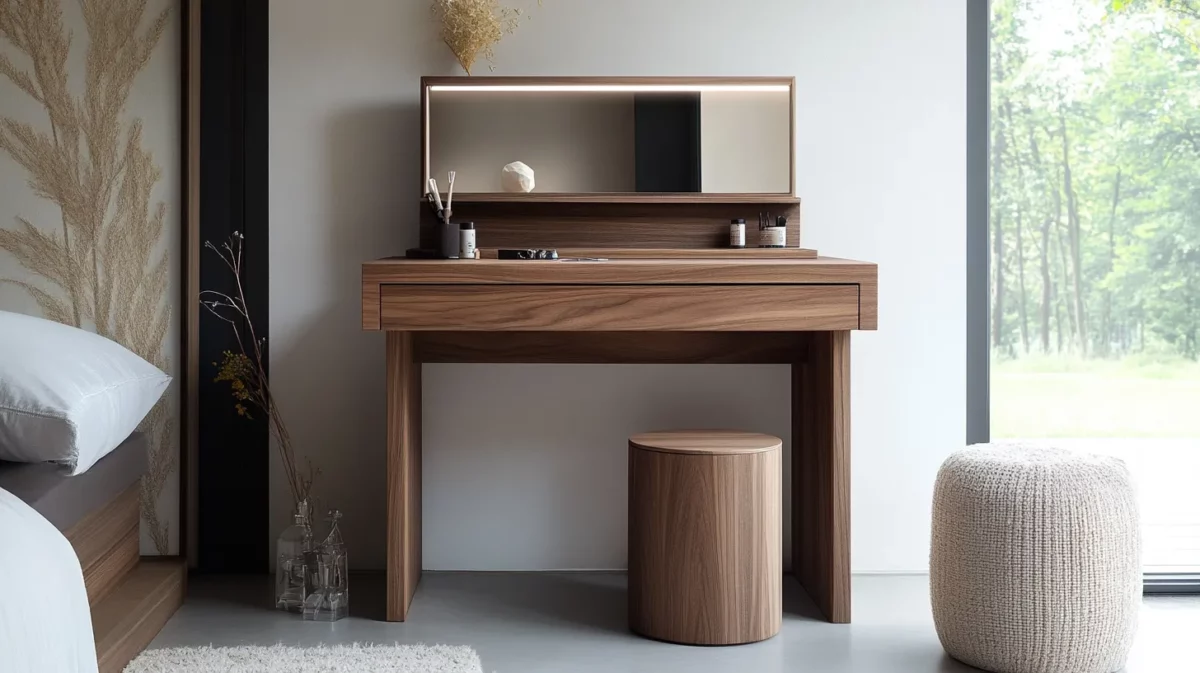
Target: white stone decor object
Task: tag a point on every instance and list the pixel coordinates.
(1036, 560)
(517, 177)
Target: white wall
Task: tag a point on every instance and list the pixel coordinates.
(530, 476)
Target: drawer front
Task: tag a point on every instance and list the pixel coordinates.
(702, 308)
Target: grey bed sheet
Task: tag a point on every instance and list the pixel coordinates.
(65, 500)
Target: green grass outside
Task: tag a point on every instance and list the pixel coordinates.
(1042, 397)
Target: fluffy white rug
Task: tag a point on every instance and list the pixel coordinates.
(284, 659)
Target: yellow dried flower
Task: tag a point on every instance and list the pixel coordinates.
(473, 27)
(237, 370)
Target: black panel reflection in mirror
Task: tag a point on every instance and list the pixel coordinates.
(592, 138)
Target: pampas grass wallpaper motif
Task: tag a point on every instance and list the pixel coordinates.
(102, 264)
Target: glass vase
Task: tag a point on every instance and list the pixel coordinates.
(294, 561)
(329, 597)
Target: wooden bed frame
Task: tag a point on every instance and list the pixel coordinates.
(131, 597)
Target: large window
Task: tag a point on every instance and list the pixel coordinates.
(1094, 244)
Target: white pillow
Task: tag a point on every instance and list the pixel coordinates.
(67, 395)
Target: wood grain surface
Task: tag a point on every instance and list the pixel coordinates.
(106, 573)
(822, 270)
(705, 543)
(599, 198)
(505, 80)
(617, 224)
(602, 347)
(106, 542)
(821, 471)
(868, 303)
(127, 619)
(625, 308)
(403, 474)
(706, 442)
(370, 301)
(189, 384)
(676, 253)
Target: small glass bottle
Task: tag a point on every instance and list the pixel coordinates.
(292, 551)
(737, 233)
(466, 240)
(329, 600)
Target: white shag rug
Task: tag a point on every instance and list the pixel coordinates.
(285, 659)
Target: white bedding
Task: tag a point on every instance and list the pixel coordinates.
(45, 622)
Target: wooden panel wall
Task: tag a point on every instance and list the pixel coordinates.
(668, 224)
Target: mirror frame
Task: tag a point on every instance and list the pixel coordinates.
(611, 197)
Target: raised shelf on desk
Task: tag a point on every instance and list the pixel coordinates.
(819, 270)
(623, 198)
(611, 220)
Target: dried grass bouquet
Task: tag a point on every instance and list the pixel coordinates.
(473, 27)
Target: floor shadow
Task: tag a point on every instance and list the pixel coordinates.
(243, 591)
(257, 592)
(588, 600)
(368, 595)
(951, 665)
(577, 600)
(593, 600)
(796, 601)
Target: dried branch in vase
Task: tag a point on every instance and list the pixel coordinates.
(245, 372)
(472, 28)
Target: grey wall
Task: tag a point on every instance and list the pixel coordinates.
(524, 465)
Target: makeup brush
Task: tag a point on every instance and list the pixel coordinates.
(450, 194)
(433, 188)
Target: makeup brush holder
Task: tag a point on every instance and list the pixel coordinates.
(449, 236)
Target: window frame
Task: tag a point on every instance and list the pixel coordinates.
(978, 397)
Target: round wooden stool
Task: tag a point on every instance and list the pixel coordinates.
(705, 536)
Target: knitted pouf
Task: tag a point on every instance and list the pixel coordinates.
(1035, 566)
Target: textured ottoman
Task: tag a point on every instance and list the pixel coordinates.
(1035, 566)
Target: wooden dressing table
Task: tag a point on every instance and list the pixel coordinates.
(797, 312)
(649, 306)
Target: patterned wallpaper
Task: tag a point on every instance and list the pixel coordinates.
(90, 196)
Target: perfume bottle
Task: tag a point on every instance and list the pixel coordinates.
(329, 599)
(292, 554)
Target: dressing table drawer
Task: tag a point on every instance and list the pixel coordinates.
(704, 308)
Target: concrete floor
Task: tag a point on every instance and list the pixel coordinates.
(555, 623)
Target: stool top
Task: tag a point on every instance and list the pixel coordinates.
(706, 442)
(1019, 457)
(1004, 469)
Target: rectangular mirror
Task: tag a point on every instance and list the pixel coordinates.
(585, 136)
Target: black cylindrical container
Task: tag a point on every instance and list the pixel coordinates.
(449, 238)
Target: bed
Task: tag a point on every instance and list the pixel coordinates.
(96, 513)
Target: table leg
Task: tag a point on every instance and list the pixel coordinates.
(403, 474)
(821, 471)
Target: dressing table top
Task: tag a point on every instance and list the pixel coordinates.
(620, 271)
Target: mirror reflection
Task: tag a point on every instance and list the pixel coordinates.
(597, 139)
